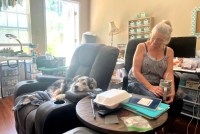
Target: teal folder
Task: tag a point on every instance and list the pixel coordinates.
(146, 112)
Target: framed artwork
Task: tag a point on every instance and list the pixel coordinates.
(196, 22)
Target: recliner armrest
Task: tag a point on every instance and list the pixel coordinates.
(75, 96)
(60, 116)
(48, 78)
(28, 86)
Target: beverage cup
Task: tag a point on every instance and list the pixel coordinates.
(166, 86)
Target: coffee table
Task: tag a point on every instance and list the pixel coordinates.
(85, 114)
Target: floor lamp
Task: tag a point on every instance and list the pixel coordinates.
(113, 30)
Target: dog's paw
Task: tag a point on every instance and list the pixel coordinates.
(60, 97)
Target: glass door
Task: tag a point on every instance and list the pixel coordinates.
(62, 27)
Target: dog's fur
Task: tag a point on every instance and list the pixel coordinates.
(57, 91)
(78, 84)
(58, 88)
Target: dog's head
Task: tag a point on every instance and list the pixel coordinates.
(83, 83)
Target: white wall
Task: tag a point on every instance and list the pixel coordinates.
(179, 12)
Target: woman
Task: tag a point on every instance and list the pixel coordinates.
(153, 61)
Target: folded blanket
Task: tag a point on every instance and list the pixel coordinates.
(35, 98)
(38, 97)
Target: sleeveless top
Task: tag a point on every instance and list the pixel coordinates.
(152, 69)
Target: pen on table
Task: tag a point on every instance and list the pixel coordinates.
(91, 102)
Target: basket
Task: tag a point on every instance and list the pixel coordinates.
(192, 84)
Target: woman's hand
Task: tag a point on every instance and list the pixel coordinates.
(170, 98)
(157, 90)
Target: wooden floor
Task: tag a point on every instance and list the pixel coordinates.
(7, 124)
(7, 121)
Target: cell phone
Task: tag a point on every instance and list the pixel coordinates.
(104, 112)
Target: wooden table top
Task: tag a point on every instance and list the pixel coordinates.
(85, 114)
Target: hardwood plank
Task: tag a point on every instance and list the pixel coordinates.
(7, 121)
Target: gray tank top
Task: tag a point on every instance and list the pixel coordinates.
(153, 70)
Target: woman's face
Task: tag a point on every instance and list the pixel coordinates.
(158, 39)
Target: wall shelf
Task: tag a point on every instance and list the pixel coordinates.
(140, 27)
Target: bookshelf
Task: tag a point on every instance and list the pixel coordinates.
(140, 27)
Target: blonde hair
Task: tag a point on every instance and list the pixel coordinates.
(165, 28)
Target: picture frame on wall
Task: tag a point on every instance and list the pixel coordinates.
(196, 22)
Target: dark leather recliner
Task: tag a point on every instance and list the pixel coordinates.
(93, 60)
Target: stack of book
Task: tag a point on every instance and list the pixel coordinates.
(150, 108)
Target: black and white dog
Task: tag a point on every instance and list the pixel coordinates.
(78, 84)
(83, 83)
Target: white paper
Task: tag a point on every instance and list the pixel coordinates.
(145, 101)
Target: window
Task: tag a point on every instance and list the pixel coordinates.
(15, 20)
(62, 24)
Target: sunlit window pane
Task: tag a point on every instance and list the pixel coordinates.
(4, 31)
(24, 35)
(3, 38)
(11, 9)
(23, 20)
(3, 19)
(12, 20)
(21, 9)
(15, 20)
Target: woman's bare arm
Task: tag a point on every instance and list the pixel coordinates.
(169, 74)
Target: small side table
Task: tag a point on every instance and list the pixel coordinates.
(84, 113)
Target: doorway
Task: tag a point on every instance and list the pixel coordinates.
(62, 27)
